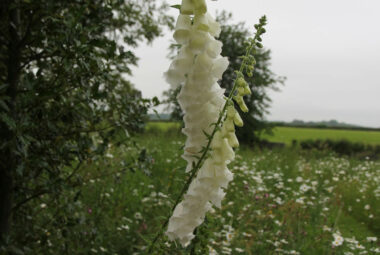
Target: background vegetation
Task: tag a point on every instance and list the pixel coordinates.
(62, 96)
(290, 201)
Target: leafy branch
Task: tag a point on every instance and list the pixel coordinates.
(246, 67)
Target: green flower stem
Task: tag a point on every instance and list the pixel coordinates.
(246, 59)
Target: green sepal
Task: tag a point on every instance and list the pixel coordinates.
(207, 135)
(176, 6)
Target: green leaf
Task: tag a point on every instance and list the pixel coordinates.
(143, 238)
(20, 169)
(207, 135)
(197, 157)
(3, 86)
(4, 105)
(176, 6)
(202, 150)
(7, 120)
(157, 114)
(155, 101)
(15, 250)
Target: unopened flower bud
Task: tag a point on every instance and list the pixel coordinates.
(240, 101)
(247, 90)
(238, 121)
(231, 112)
(240, 82)
(232, 140)
(229, 124)
(241, 91)
(227, 151)
(243, 107)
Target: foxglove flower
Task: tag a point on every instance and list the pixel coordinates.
(197, 68)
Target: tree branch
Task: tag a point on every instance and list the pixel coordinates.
(40, 193)
(23, 40)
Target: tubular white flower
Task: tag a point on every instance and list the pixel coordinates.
(219, 67)
(180, 67)
(182, 29)
(200, 7)
(197, 68)
(214, 26)
(187, 7)
(201, 23)
(214, 48)
(198, 40)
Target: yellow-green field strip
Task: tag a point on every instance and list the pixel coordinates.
(288, 134)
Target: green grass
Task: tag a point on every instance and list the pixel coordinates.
(287, 134)
(121, 205)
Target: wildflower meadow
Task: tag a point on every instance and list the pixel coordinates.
(280, 202)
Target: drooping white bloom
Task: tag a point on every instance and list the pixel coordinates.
(197, 68)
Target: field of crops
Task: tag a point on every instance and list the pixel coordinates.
(280, 202)
(288, 134)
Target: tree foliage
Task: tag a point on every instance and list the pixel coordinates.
(62, 93)
(233, 37)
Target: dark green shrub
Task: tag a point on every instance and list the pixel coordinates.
(342, 147)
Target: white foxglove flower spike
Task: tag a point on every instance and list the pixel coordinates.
(204, 107)
(202, 101)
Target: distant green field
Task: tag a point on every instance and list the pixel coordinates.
(287, 134)
(162, 125)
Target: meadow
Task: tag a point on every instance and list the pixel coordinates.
(283, 201)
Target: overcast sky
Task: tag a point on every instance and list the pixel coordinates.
(329, 50)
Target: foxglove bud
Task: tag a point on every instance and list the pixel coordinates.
(237, 120)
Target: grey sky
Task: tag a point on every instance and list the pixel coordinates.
(329, 50)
